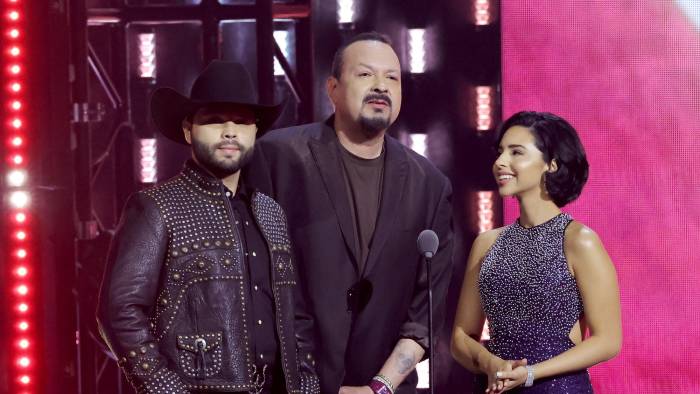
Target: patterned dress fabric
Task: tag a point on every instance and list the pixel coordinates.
(531, 300)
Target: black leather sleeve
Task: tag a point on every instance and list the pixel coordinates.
(128, 294)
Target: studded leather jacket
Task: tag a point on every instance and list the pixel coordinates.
(173, 303)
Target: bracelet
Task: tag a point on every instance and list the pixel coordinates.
(530, 376)
(387, 382)
(380, 384)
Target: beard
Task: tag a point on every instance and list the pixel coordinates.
(206, 157)
(371, 126)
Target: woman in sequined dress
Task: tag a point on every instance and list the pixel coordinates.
(544, 281)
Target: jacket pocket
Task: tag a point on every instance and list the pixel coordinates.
(200, 354)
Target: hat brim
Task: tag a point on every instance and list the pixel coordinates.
(169, 108)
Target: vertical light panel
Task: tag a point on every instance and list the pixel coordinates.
(482, 12)
(484, 210)
(282, 39)
(484, 108)
(419, 143)
(147, 55)
(423, 371)
(416, 50)
(148, 160)
(21, 259)
(346, 11)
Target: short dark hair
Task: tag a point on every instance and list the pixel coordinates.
(337, 65)
(557, 140)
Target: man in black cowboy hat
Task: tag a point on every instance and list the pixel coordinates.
(198, 290)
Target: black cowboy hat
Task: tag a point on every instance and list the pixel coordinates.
(220, 83)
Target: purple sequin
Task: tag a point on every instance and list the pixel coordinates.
(531, 300)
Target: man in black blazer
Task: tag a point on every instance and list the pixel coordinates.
(356, 200)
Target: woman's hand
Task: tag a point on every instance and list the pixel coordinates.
(517, 376)
(495, 366)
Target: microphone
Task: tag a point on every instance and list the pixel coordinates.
(428, 243)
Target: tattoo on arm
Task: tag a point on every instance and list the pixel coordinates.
(405, 362)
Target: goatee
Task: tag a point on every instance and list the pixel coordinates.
(372, 126)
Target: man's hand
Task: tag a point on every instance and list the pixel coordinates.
(355, 390)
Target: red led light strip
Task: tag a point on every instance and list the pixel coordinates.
(20, 279)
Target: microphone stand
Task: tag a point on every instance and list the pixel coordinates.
(428, 256)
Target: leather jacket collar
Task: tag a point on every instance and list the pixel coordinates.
(201, 178)
(210, 184)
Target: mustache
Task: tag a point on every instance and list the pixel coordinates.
(228, 143)
(377, 96)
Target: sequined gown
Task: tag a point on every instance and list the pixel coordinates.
(531, 300)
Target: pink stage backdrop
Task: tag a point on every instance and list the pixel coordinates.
(626, 74)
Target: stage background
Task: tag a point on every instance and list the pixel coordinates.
(626, 74)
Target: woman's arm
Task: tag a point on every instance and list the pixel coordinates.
(469, 320)
(597, 282)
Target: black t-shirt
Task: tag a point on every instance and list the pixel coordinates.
(363, 178)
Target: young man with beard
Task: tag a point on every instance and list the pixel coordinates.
(356, 200)
(198, 291)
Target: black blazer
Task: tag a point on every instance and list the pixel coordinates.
(300, 167)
